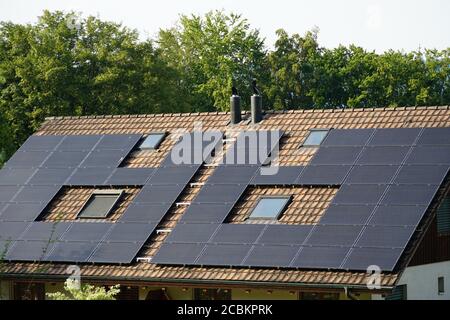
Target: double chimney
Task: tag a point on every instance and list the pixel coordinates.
(255, 101)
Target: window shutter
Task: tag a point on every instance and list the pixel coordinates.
(443, 216)
(398, 293)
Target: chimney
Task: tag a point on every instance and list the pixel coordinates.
(256, 103)
(235, 107)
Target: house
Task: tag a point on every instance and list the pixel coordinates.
(358, 206)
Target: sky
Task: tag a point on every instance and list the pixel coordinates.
(372, 24)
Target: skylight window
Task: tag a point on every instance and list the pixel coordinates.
(269, 208)
(100, 204)
(152, 141)
(315, 138)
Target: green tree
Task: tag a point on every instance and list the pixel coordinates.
(84, 292)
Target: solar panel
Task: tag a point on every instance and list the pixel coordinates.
(271, 256)
(173, 175)
(45, 231)
(87, 231)
(220, 193)
(429, 155)
(71, 251)
(410, 194)
(144, 213)
(245, 157)
(233, 174)
(224, 254)
(284, 176)
(22, 211)
(385, 236)
(53, 176)
(12, 230)
(15, 176)
(192, 232)
(347, 137)
(238, 233)
(383, 155)
(320, 257)
(284, 234)
(159, 193)
(359, 194)
(422, 174)
(207, 212)
(65, 159)
(104, 158)
(79, 142)
(177, 253)
(42, 194)
(434, 136)
(89, 176)
(323, 175)
(333, 235)
(347, 214)
(130, 232)
(398, 215)
(371, 174)
(27, 159)
(117, 252)
(29, 250)
(130, 176)
(394, 137)
(118, 141)
(362, 258)
(41, 143)
(336, 155)
(7, 193)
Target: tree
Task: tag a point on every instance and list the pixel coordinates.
(84, 292)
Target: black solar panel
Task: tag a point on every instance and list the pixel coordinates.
(394, 137)
(320, 257)
(144, 213)
(173, 175)
(336, 155)
(130, 232)
(435, 136)
(130, 176)
(22, 211)
(41, 143)
(389, 155)
(7, 193)
(430, 155)
(284, 234)
(71, 251)
(53, 176)
(178, 253)
(421, 174)
(270, 256)
(65, 159)
(284, 176)
(220, 193)
(398, 215)
(15, 176)
(359, 194)
(347, 214)
(192, 232)
(118, 141)
(88, 231)
(238, 233)
(331, 235)
(243, 157)
(233, 174)
(224, 254)
(29, 251)
(159, 193)
(410, 194)
(362, 258)
(207, 212)
(117, 252)
(323, 175)
(90, 176)
(372, 174)
(104, 158)
(347, 137)
(42, 194)
(385, 236)
(27, 159)
(79, 142)
(45, 231)
(12, 230)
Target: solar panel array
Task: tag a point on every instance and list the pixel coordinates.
(387, 180)
(44, 164)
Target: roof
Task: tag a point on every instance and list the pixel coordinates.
(309, 204)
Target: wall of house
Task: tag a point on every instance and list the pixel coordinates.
(52, 287)
(262, 294)
(5, 290)
(422, 281)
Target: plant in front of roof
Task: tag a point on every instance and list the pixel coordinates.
(2, 258)
(84, 292)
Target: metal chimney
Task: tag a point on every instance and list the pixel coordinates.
(256, 103)
(235, 107)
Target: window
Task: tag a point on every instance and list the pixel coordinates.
(315, 138)
(100, 204)
(152, 141)
(441, 285)
(443, 216)
(269, 208)
(29, 291)
(212, 294)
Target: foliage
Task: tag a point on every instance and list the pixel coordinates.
(84, 292)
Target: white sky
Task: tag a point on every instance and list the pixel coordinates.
(373, 24)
